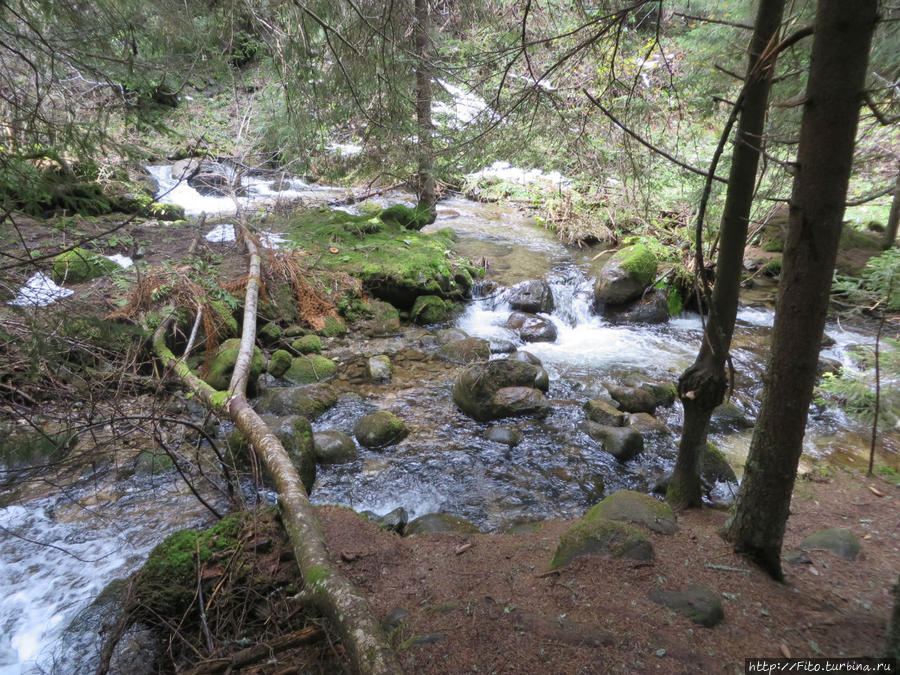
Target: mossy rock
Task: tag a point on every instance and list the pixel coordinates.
(373, 317)
(279, 362)
(270, 332)
(310, 368)
(714, 465)
(634, 507)
(21, 448)
(604, 412)
(80, 265)
(633, 399)
(334, 447)
(152, 463)
(166, 585)
(429, 309)
(664, 393)
(380, 368)
(467, 350)
(481, 390)
(222, 366)
(334, 327)
(440, 523)
(599, 536)
(280, 304)
(228, 326)
(624, 276)
(296, 435)
(623, 443)
(311, 401)
(410, 219)
(839, 541)
(380, 429)
(308, 344)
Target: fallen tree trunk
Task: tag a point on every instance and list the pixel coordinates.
(349, 610)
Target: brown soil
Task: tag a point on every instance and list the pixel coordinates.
(487, 603)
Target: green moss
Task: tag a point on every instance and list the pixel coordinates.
(605, 537)
(316, 575)
(714, 465)
(279, 363)
(228, 325)
(308, 344)
(270, 332)
(222, 365)
(430, 309)
(310, 368)
(334, 327)
(219, 399)
(411, 219)
(80, 265)
(165, 585)
(634, 507)
(639, 261)
(772, 268)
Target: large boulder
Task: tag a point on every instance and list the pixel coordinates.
(839, 541)
(80, 265)
(651, 308)
(628, 506)
(429, 309)
(599, 536)
(476, 389)
(604, 412)
(309, 368)
(699, 604)
(531, 297)
(714, 466)
(624, 276)
(380, 429)
(440, 523)
(633, 399)
(531, 327)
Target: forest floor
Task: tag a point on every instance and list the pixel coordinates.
(489, 603)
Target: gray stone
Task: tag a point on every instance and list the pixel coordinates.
(476, 386)
(651, 308)
(624, 276)
(699, 604)
(622, 443)
(633, 399)
(646, 423)
(334, 447)
(395, 521)
(528, 357)
(467, 350)
(531, 297)
(380, 369)
(439, 523)
(608, 538)
(604, 412)
(451, 335)
(380, 429)
(836, 540)
(531, 327)
(518, 401)
(502, 347)
(311, 401)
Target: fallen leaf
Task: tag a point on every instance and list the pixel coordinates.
(785, 651)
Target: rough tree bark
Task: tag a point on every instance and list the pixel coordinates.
(427, 195)
(890, 233)
(702, 386)
(361, 633)
(843, 33)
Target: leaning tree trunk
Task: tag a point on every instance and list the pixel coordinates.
(843, 34)
(427, 195)
(890, 233)
(324, 585)
(702, 386)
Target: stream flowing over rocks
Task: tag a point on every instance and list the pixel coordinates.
(555, 460)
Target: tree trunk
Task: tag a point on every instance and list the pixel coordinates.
(427, 196)
(890, 234)
(349, 610)
(702, 386)
(843, 34)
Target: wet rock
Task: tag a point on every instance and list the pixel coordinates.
(138, 652)
(828, 366)
(624, 276)
(728, 416)
(310, 368)
(621, 442)
(279, 363)
(308, 344)
(334, 447)
(502, 347)
(629, 506)
(699, 604)
(531, 297)
(395, 521)
(646, 423)
(439, 523)
(451, 335)
(527, 357)
(378, 318)
(380, 429)
(467, 350)
(507, 435)
(714, 466)
(380, 368)
(477, 385)
(608, 538)
(633, 399)
(664, 393)
(651, 308)
(517, 401)
(836, 540)
(827, 341)
(531, 327)
(222, 366)
(310, 401)
(604, 412)
(429, 309)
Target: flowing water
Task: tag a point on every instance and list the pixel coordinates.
(58, 550)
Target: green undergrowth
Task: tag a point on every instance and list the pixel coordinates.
(393, 263)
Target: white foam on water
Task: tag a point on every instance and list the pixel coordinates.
(344, 149)
(505, 171)
(465, 108)
(122, 261)
(273, 239)
(221, 234)
(39, 291)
